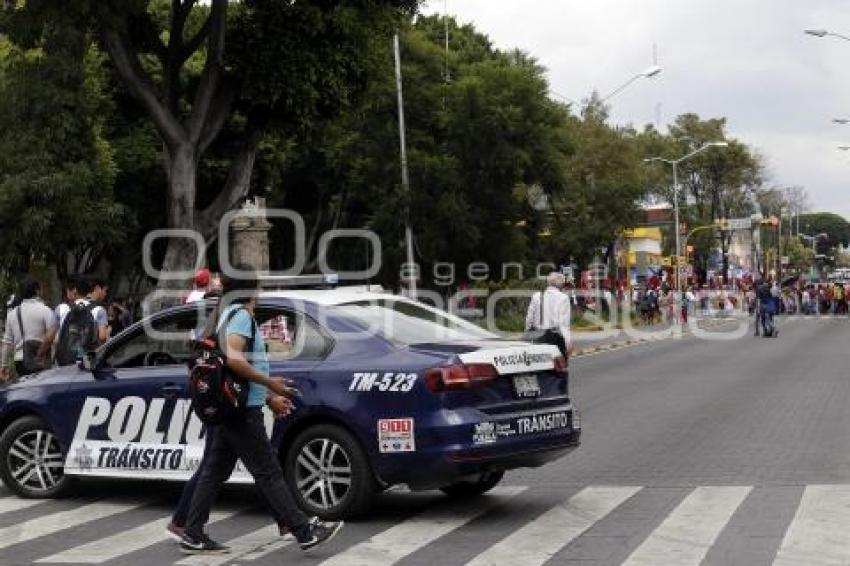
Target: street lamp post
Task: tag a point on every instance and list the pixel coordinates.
(824, 33)
(647, 73)
(675, 164)
(814, 239)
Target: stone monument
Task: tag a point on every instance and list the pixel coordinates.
(249, 235)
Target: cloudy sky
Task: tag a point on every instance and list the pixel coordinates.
(747, 60)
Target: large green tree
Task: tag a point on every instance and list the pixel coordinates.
(836, 228)
(478, 144)
(605, 184)
(56, 167)
(257, 63)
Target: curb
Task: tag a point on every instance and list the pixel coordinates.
(581, 352)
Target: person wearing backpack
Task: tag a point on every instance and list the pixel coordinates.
(86, 326)
(29, 333)
(70, 295)
(242, 436)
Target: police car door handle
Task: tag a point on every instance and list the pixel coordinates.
(172, 389)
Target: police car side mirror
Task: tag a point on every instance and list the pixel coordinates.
(89, 361)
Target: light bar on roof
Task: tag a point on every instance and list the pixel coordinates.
(316, 281)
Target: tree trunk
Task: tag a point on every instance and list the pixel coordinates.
(181, 253)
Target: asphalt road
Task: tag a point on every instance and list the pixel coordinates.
(694, 452)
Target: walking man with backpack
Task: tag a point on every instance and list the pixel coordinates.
(242, 436)
(30, 330)
(86, 326)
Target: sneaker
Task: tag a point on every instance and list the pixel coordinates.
(201, 545)
(317, 532)
(175, 532)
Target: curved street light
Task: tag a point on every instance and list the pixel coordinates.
(824, 33)
(647, 73)
(675, 164)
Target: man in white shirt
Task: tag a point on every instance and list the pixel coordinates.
(549, 314)
(31, 321)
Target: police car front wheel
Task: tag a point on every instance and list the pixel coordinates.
(329, 473)
(31, 460)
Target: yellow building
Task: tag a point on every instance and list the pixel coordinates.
(641, 250)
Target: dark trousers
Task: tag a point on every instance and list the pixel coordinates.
(242, 439)
(181, 514)
(554, 338)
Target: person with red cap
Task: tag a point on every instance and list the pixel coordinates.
(201, 285)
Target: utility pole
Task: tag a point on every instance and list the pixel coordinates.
(405, 178)
(779, 246)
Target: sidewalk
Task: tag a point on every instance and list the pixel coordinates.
(593, 342)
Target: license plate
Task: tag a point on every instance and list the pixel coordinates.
(526, 386)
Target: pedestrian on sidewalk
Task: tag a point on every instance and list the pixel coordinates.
(86, 325)
(244, 437)
(548, 318)
(29, 332)
(70, 294)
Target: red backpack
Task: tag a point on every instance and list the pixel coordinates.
(217, 394)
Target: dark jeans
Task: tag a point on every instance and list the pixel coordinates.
(242, 439)
(554, 338)
(181, 514)
(767, 323)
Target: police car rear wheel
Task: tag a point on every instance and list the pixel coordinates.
(485, 483)
(329, 473)
(31, 460)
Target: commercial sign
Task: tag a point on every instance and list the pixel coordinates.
(738, 224)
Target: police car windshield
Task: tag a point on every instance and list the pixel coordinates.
(406, 322)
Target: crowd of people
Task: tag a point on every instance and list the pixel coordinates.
(36, 336)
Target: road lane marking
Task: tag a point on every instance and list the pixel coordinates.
(14, 503)
(56, 522)
(125, 542)
(538, 541)
(819, 532)
(393, 544)
(686, 535)
(245, 548)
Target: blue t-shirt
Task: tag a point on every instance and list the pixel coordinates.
(241, 324)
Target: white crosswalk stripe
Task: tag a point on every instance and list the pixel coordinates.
(125, 542)
(819, 533)
(247, 547)
(688, 532)
(56, 522)
(12, 503)
(565, 529)
(538, 541)
(406, 538)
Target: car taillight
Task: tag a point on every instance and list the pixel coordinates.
(459, 377)
(561, 366)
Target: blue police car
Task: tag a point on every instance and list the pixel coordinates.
(393, 392)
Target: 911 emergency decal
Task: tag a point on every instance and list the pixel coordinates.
(396, 435)
(391, 382)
